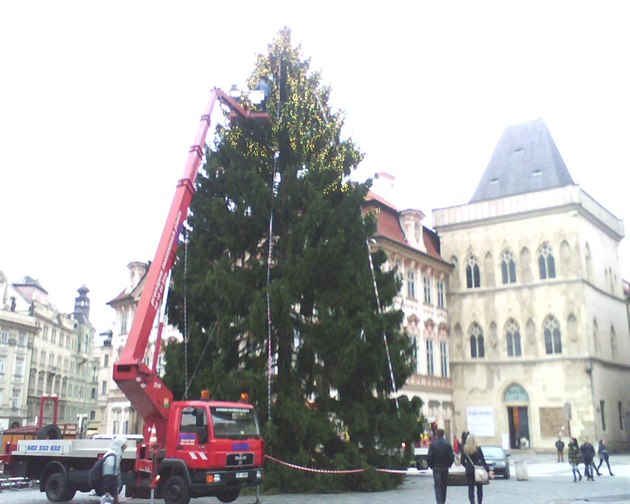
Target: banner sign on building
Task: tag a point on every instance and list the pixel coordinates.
(480, 420)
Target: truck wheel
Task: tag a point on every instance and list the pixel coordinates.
(229, 495)
(176, 491)
(57, 488)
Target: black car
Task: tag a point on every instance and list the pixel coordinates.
(497, 460)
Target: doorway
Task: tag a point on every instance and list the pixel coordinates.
(519, 427)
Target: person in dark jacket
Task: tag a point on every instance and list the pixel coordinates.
(471, 457)
(575, 458)
(560, 449)
(439, 459)
(588, 454)
(602, 453)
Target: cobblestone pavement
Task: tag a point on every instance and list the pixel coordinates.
(548, 483)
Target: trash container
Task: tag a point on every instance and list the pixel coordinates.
(521, 470)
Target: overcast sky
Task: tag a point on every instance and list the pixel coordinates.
(100, 101)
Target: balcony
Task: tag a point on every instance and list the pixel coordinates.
(429, 382)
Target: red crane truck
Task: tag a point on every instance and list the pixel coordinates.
(190, 448)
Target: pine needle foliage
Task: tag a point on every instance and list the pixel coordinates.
(331, 392)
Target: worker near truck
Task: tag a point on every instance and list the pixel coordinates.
(112, 479)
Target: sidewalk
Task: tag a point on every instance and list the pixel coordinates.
(549, 482)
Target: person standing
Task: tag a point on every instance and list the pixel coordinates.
(560, 449)
(575, 456)
(112, 477)
(457, 448)
(456, 445)
(463, 439)
(439, 459)
(588, 454)
(602, 453)
(472, 456)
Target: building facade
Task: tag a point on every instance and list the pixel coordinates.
(119, 416)
(414, 251)
(45, 353)
(540, 344)
(17, 334)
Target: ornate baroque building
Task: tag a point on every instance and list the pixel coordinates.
(414, 251)
(119, 416)
(540, 342)
(45, 352)
(17, 334)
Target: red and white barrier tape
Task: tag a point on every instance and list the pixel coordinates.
(329, 471)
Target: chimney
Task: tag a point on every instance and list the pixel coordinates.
(384, 184)
(136, 271)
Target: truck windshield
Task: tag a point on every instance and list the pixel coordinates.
(234, 422)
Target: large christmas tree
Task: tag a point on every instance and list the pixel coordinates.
(275, 293)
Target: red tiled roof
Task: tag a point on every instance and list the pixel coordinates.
(388, 225)
(373, 196)
(431, 242)
(123, 295)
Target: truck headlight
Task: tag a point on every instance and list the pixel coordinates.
(213, 478)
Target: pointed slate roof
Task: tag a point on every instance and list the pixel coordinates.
(525, 160)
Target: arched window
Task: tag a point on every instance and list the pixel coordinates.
(513, 338)
(473, 277)
(553, 339)
(476, 341)
(508, 267)
(546, 263)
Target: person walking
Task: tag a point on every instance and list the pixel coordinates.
(588, 454)
(439, 458)
(560, 449)
(575, 458)
(112, 478)
(473, 455)
(602, 453)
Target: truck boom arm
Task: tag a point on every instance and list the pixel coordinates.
(142, 386)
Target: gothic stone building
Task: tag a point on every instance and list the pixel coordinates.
(540, 342)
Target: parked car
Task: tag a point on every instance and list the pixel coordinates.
(420, 454)
(497, 460)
